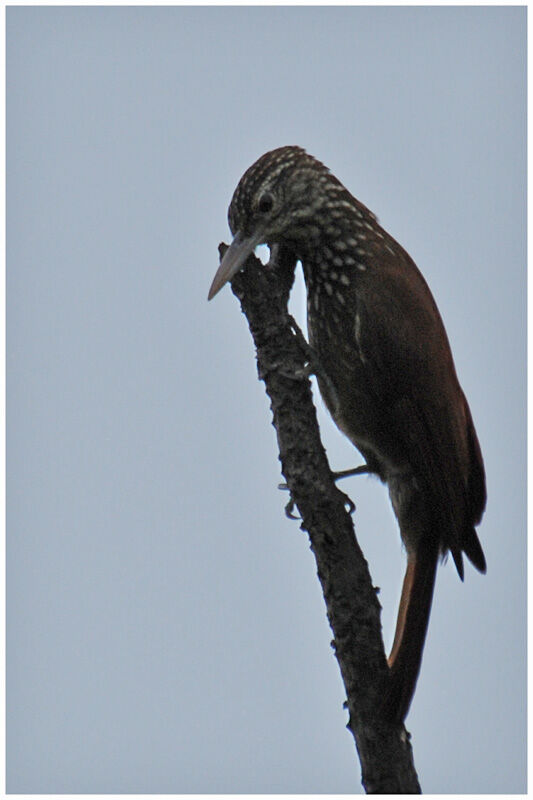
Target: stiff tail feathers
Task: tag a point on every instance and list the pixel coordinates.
(411, 628)
(474, 552)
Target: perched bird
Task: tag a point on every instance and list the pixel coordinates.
(391, 383)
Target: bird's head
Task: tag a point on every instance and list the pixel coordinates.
(279, 198)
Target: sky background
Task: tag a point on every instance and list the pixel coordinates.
(166, 631)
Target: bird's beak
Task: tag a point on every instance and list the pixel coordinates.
(234, 258)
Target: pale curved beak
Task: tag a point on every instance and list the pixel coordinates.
(234, 258)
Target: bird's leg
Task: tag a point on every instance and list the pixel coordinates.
(364, 469)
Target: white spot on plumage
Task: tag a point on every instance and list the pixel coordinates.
(345, 280)
(357, 332)
(329, 289)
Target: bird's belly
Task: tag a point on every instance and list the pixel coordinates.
(361, 414)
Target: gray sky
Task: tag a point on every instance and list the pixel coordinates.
(166, 631)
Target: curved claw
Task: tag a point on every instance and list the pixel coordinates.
(348, 503)
(288, 510)
(290, 505)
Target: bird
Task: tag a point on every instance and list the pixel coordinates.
(387, 374)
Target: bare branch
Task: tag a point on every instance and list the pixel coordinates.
(353, 610)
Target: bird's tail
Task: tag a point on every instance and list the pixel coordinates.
(411, 628)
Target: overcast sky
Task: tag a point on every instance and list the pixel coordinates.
(166, 630)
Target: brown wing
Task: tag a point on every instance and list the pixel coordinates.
(412, 378)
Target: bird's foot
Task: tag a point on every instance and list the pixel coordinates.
(348, 502)
(363, 469)
(289, 508)
(314, 365)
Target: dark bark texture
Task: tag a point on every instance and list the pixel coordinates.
(284, 362)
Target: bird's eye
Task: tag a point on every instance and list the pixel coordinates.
(266, 201)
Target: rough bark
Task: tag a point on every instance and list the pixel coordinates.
(283, 361)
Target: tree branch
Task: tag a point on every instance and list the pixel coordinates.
(353, 610)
